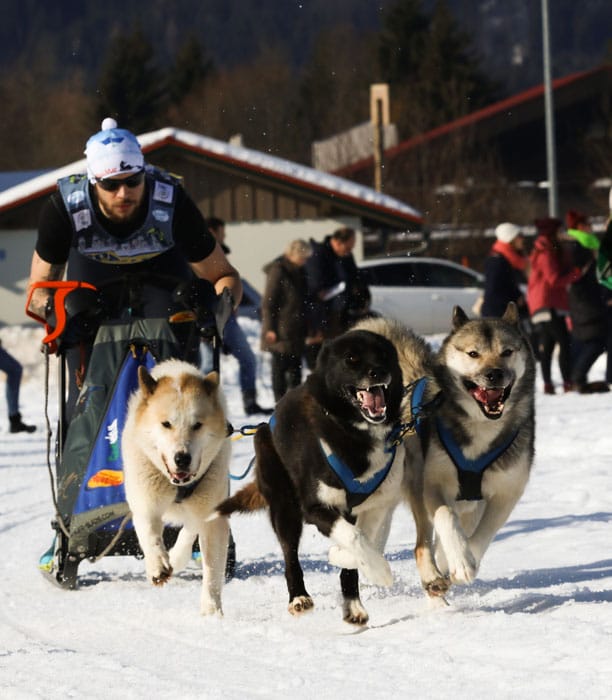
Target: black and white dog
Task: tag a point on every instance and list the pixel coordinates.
(331, 457)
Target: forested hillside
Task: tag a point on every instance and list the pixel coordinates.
(280, 72)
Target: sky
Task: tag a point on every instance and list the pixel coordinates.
(537, 622)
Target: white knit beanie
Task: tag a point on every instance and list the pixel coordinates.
(506, 232)
(112, 152)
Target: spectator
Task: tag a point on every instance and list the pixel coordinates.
(87, 227)
(284, 314)
(604, 275)
(604, 257)
(235, 341)
(587, 306)
(339, 294)
(547, 298)
(13, 370)
(504, 271)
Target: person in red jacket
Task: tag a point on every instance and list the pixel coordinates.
(547, 298)
(505, 270)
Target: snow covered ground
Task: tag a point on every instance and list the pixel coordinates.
(536, 623)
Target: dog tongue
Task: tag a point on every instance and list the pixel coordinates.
(372, 400)
(488, 396)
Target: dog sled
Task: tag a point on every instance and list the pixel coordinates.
(92, 518)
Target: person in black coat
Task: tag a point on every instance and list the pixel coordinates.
(338, 292)
(284, 316)
(587, 311)
(504, 272)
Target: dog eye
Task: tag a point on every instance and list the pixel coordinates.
(473, 353)
(166, 424)
(196, 426)
(351, 360)
(507, 352)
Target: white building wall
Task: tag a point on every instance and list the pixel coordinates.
(16, 248)
(255, 244)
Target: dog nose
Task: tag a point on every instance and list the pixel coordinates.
(182, 459)
(495, 376)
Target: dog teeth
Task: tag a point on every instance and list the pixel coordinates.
(372, 387)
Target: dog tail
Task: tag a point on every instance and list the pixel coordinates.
(246, 500)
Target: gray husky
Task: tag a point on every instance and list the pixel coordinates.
(468, 461)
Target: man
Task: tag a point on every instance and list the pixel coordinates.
(122, 220)
(284, 316)
(236, 342)
(125, 220)
(339, 294)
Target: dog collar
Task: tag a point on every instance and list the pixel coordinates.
(183, 492)
(469, 471)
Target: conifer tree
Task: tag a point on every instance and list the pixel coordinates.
(131, 86)
(191, 67)
(431, 65)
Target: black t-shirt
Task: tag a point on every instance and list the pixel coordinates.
(55, 232)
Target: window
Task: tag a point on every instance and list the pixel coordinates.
(393, 275)
(446, 276)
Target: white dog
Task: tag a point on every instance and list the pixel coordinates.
(176, 453)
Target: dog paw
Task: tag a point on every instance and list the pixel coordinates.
(354, 613)
(438, 587)
(376, 570)
(436, 602)
(211, 608)
(341, 558)
(162, 577)
(301, 604)
(464, 571)
(461, 563)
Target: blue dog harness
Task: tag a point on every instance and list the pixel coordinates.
(357, 491)
(469, 471)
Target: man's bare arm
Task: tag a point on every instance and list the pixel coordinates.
(42, 271)
(217, 269)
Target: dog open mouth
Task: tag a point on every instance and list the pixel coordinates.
(490, 400)
(179, 477)
(371, 401)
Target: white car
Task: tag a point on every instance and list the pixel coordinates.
(421, 292)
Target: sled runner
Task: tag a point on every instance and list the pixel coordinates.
(92, 518)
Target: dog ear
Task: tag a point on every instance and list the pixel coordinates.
(211, 382)
(511, 314)
(145, 381)
(459, 317)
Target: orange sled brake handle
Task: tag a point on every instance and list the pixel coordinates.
(62, 289)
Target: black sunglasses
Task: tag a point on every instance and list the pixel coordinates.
(113, 185)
